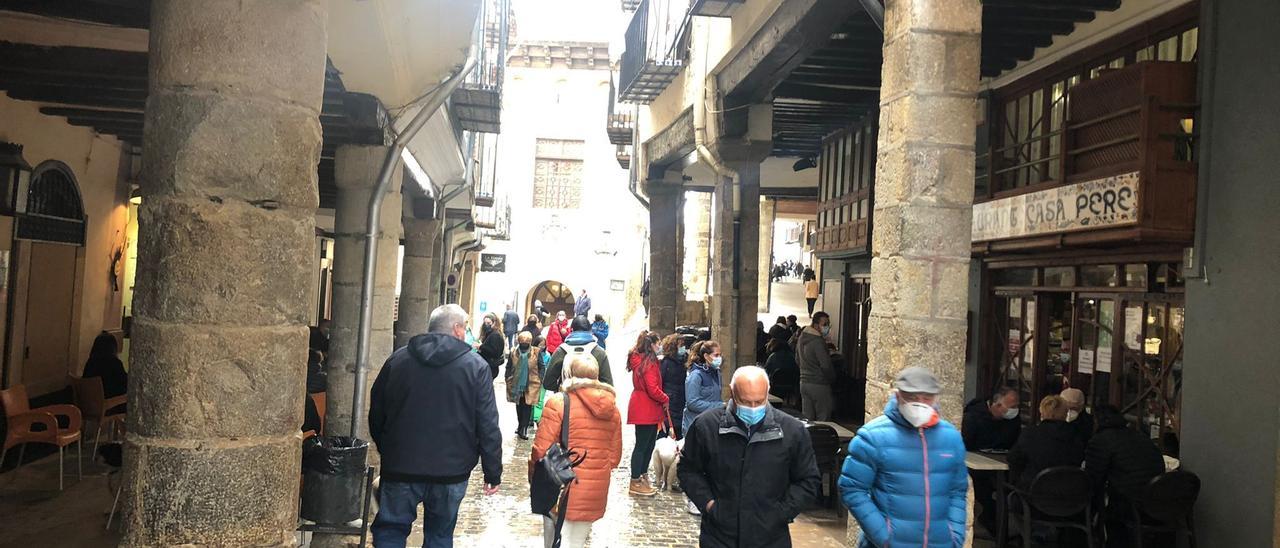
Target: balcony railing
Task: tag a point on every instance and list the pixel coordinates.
(715, 8)
(486, 170)
(624, 156)
(652, 59)
(621, 123)
(477, 103)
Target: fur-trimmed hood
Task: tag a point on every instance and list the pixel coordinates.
(598, 397)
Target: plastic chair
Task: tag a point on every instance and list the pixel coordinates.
(1059, 497)
(826, 451)
(21, 418)
(95, 406)
(319, 398)
(1166, 506)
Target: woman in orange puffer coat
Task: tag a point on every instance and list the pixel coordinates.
(595, 430)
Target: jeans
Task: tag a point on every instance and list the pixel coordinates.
(642, 455)
(511, 340)
(398, 509)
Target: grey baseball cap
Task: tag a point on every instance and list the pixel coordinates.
(917, 380)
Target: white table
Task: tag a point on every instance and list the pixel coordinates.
(983, 461)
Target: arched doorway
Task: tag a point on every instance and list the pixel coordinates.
(554, 296)
(50, 232)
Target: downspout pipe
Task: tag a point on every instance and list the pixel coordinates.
(389, 166)
(876, 10)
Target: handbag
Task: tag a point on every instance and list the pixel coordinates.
(553, 474)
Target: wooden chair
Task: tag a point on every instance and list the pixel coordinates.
(21, 419)
(95, 406)
(319, 399)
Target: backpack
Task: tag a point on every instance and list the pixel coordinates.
(571, 350)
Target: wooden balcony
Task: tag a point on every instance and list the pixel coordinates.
(621, 126)
(1128, 169)
(624, 156)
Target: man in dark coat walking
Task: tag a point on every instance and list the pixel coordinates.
(432, 416)
(748, 468)
(510, 326)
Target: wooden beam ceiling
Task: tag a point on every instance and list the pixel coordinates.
(120, 13)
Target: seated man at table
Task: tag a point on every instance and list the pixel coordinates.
(1053, 442)
(990, 424)
(1120, 461)
(898, 497)
(1077, 415)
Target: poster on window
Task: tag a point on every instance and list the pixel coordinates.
(1085, 362)
(1133, 327)
(1104, 359)
(1029, 353)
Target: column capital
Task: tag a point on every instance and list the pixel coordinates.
(736, 152)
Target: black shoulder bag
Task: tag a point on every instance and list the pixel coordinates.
(553, 474)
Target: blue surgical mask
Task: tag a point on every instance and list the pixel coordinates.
(716, 361)
(750, 415)
(826, 331)
(683, 352)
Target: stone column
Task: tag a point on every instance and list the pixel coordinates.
(924, 196)
(665, 284)
(226, 256)
(748, 245)
(724, 297)
(768, 215)
(417, 296)
(356, 173)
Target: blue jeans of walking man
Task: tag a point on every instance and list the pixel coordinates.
(398, 509)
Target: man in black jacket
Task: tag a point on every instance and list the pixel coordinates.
(579, 341)
(990, 424)
(748, 468)
(432, 416)
(1120, 460)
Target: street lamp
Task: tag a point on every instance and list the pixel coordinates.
(15, 175)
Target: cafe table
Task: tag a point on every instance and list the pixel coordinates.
(998, 463)
(844, 434)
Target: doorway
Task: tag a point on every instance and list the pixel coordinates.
(553, 295)
(46, 354)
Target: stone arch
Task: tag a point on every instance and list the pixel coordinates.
(51, 209)
(555, 296)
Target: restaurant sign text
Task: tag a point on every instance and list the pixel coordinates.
(1108, 202)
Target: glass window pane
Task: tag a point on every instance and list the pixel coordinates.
(1167, 50)
(1135, 275)
(1190, 40)
(1098, 276)
(1060, 276)
(1036, 147)
(1146, 54)
(1014, 276)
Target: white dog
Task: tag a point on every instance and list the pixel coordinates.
(666, 456)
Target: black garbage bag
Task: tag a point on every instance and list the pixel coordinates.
(333, 477)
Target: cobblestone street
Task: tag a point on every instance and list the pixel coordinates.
(504, 520)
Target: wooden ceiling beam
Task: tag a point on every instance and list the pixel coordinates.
(120, 13)
(1095, 5)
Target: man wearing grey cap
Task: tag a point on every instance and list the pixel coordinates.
(905, 479)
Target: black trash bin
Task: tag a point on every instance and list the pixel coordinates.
(333, 478)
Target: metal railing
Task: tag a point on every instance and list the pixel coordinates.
(650, 61)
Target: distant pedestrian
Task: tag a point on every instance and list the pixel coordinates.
(432, 417)
(817, 374)
(580, 341)
(510, 326)
(762, 341)
(811, 292)
(539, 310)
(673, 376)
(779, 331)
(557, 331)
(533, 326)
(646, 410)
(644, 297)
(905, 479)
(595, 433)
(749, 468)
(492, 344)
(600, 329)
(583, 306)
(524, 380)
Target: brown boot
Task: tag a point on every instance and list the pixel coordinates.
(641, 488)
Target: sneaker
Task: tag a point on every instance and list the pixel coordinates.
(692, 508)
(640, 488)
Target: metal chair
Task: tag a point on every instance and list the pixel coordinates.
(826, 451)
(1166, 506)
(21, 419)
(95, 406)
(1060, 498)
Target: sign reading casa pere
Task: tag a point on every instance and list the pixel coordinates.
(1108, 202)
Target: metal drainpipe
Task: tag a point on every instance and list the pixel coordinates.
(876, 10)
(389, 166)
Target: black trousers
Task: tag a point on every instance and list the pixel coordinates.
(523, 412)
(642, 454)
(984, 489)
(811, 303)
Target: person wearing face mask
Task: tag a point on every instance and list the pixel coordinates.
(674, 355)
(990, 424)
(1077, 415)
(748, 468)
(557, 331)
(524, 380)
(492, 343)
(646, 410)
(816, 372)
(1053, 442)
(904, 479)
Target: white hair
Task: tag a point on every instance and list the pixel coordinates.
(748, 371)
(445, 317)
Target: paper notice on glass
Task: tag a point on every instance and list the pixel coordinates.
(1133, 327)
(1085, 364)
(1029, 354)
(1104, 360)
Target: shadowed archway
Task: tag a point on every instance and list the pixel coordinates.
(555, 296)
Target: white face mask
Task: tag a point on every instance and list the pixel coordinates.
(1072, 414)
(918, 414)
(1011, 413)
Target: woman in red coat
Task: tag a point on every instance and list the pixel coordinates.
(647, 409)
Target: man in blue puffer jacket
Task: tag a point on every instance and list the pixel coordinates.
(905, 479)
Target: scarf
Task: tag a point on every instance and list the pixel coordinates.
(522, 375)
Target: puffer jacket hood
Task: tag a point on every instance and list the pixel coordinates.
(600, 398)
(906, 486)
(436, 349)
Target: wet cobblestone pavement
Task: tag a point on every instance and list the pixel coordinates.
(504, 519)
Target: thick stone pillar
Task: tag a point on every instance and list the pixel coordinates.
(768, 215)
(417, 296)
(665, 284)
(724, 297)
(924, 196)
(356, 173)
(226, 255)
(748, 245)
